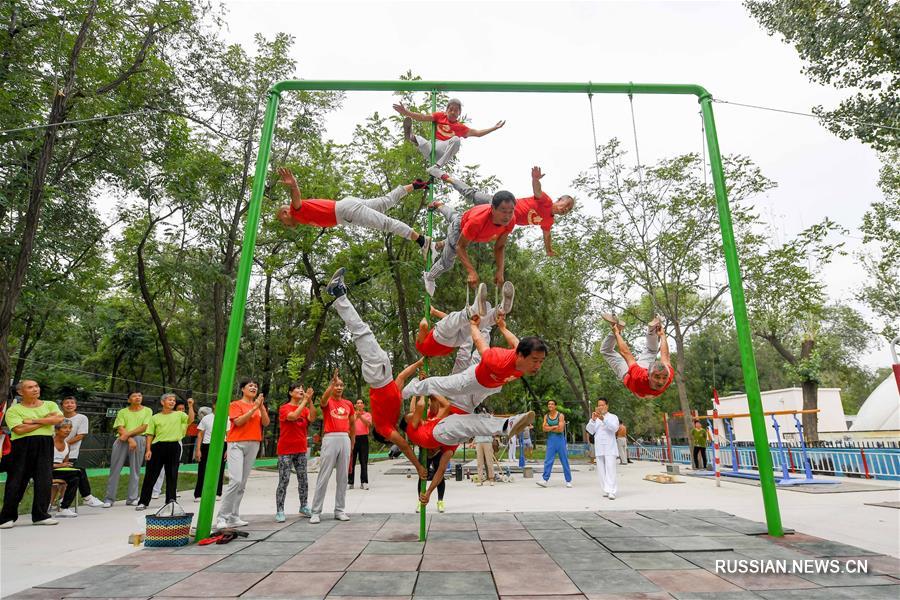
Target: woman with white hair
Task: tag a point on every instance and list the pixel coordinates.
(201, 450)
(164, 434)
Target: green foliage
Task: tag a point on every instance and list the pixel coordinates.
(850, 45)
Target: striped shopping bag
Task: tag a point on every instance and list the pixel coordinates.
(169, 526)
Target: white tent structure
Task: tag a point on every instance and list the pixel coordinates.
(881, 410)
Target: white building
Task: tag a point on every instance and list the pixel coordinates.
(879, 416)
(831, 413)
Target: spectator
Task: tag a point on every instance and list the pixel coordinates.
(527, 443)
(164, 434)
(339, 429)
(604, 426)
(484, 457)
(361, 447)
(79, 430)
(513, 443)
(180, 406)
(294, 418)
(64, 468)
(131, 423)
(700, 438)
(555, 428)
(622, 443)
(248, 415)
(201, 452)
(31, 424)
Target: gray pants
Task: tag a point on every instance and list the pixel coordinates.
(121, 451)
(335, 455)
(470, 193)
(618, 364)
(623, 449)
(370, 213)
(453, 330)
(456, 429)
(444, 150)
(445, 261)
(376, 364)
(241, 456)
(462, 389)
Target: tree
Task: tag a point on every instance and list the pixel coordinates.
(660, 239)
(851, 45)
(881, 233)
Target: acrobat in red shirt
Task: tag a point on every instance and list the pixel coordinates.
(445, 130)
(497, 367)
(637, 379)
(534, 211)
(478, 226)
(315, 212)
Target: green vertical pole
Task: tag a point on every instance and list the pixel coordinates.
(423, 453)
(236, 325)
(748, 361)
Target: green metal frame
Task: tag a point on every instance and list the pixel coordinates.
(732, 264)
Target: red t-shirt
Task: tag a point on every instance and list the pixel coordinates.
(423, 436)
(315, 212)
(251, 431)
(535, 211)
(292, 439)
(445, 129)
(477, 225)
(336, 415)
(637, 379)
(431, 347)
(497, 366)
(361, 427)
(385, 404)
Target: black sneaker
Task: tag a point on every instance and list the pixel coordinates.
(336, 286)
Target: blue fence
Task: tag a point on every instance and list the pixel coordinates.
(869, 463)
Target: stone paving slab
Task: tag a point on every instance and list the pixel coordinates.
(375, 583)
(498, 535)
(464, 536)
(455, 584)
(293, 585)
(463, 562)
(273, 548)
(249, 563)
(585, 561)
(87, 577)
(317, 562)
(386, 562)
(617, 581)
(376, 547)
(131, 584)
(229, 548)
(634, 544)
(206, 584)
(640, 561)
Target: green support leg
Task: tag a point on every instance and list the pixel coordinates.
(748, 361)
(236, 325)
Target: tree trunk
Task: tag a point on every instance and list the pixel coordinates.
(683, 402)
(13, 287)
(570, 379)
(401, 301)
(585, 397)
(810, 402)
(117, 361)
(169, 356)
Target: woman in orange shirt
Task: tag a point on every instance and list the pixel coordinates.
(247, 415)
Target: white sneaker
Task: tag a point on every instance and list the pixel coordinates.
(314, 519)
(612, 496)
(518, 423)
(155, 495)
(350, 487)
(140, 507)
(508, 295)
(479, 305)
(568, 484)
(107, 504)
(341, 517)
(605, 494)
(67, 513)
(365, 486)
(430, 285)
(94, 502)
(541, 482)
(220, 524)
(237, 523)
(8, 525)
(46, 522)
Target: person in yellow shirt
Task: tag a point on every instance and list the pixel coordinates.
(30, 424)
(164, 433)
(130, 424)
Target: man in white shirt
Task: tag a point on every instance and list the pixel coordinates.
(603, 426)
(80, 429)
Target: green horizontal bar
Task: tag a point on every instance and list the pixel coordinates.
(492, 86)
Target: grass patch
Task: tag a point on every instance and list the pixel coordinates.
(186, 481)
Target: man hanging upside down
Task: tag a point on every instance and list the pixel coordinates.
(486, 223)
(452, 331)
(447, 134)
(350, 211)
(446, 431)
(384, 390)
(497, 367)
(538, 209)
(646, 376)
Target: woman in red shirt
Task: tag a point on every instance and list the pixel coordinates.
(294, 418)
(361, 447)
(248, 415)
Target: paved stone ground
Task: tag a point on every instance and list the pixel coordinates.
(485, 556)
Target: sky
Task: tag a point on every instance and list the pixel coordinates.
(714, 44)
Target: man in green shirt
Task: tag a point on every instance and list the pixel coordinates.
(131, 423)
(699, 438)
(30, 424)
